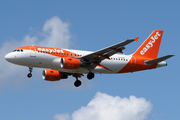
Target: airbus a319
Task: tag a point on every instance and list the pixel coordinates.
(61, 63)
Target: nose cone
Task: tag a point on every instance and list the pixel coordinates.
(9, 57)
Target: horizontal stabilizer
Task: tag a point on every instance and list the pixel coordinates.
(151, 62)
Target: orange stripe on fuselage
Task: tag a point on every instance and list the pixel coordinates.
(99, 65)
(51, 51)
(137, 66)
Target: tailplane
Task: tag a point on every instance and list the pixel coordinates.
(150, 47)
(158, 60)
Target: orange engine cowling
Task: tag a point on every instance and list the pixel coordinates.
(53, 75)
(70, 63)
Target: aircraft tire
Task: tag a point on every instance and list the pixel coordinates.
(29, 75)
(90, 76)
(77, 83)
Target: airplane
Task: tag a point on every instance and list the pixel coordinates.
(61, 63)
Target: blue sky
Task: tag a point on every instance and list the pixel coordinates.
(91, 25)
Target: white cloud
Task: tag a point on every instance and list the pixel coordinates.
(64, 116)
(107, 107)
(55, 33)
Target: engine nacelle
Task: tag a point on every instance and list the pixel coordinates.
(53, 75)
(70, 63)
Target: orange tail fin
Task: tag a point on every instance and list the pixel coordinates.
(150, 47)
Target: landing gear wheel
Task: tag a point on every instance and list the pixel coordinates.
(77, 83)
(29, 75)
(30, 70)
(90, 76)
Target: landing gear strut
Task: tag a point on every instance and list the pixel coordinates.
(77, 83)
(90, 75)
(30, 74)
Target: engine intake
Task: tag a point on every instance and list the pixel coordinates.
(53, 75)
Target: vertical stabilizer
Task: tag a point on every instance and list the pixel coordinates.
(150, 47)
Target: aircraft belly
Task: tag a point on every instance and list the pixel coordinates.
(80, 70)
(43, 60)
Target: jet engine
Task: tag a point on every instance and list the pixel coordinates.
(70, 63)
(53, 75)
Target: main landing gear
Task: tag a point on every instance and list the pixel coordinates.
(30, 74)
(77, 83)
(90, 75)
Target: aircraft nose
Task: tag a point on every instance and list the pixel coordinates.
(8, 57)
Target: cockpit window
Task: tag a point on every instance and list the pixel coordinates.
(18, 50)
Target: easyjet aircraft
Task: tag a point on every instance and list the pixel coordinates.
(61, 63)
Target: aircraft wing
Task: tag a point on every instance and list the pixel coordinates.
(105, 53)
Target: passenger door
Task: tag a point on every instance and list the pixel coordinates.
(33, 51)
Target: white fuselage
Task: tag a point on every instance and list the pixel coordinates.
(43, 60)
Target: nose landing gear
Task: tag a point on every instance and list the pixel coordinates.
(30, 74)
